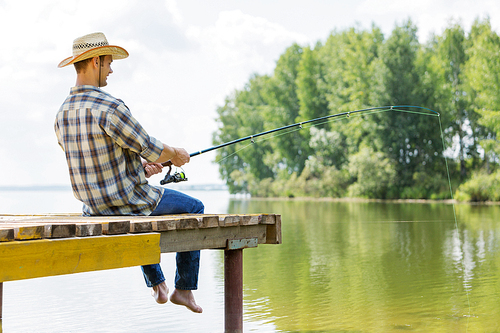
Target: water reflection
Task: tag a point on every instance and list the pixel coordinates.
(342, 267)
(375, 267)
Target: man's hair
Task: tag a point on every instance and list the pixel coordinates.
(81, 65)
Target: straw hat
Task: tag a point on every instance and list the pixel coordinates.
(93, 45)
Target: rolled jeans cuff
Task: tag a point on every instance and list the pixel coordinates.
(153, 275)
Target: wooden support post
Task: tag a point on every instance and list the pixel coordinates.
(233, 290)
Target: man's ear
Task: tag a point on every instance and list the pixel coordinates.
(95, 62)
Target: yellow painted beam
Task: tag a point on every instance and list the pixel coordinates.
(47, 257)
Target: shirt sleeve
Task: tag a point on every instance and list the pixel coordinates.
(128, 133)
(58, 135)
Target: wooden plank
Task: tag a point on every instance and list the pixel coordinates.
(165, 225)
(175, 222)
(118, 224)
(246, 219)
(88, 229)
(204, 220)
(209, 221)
(250, 219)
(64, 227)
(115, 227)
(209, 238)
(186, 224)
(48, 257)
(64, 230)
(25, 231)
(6, 235)
(29, 232)
(273, 232)
(141, 226)
(229, 220)
(267, 219)
(82, 229)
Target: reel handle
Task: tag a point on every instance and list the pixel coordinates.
(177, 177)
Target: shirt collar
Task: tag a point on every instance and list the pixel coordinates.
(84, 89)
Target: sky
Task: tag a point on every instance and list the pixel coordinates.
(185, 58)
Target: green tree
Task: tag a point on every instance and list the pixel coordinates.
(349, 59)
(455, 103)
(241, 116)
(229, 161)
(289, 152)
(374, 174)
(310, 79)
(482, 71)
(411, 141)
(483, 77)
(483, 66)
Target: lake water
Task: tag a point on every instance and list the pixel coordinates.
(342, 267)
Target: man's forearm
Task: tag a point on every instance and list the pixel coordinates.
(166, 154)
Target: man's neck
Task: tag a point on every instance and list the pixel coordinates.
(86, 83)
(87, 78)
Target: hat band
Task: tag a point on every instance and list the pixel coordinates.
(89, 45)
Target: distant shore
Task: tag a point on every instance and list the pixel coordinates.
(220, 187)
(447, 201)
(184, 187)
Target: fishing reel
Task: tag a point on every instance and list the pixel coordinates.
(177, 177)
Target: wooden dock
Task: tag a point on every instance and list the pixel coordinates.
(34, 246)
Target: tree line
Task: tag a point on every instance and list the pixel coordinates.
(385, 155)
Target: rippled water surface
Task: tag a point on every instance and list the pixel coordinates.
(342, 267)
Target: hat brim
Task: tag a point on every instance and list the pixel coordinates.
(116, 52)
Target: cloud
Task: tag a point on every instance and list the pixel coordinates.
(172, 7)
(378, 7)
(244, 41)
(155, 26)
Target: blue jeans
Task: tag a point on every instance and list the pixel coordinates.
(188, 263)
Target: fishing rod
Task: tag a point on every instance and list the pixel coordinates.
(178, 177)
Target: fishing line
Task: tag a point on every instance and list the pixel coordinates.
(394, 221)
(456, 222)
(359, 113)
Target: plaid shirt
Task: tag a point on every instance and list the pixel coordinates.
(103, 144)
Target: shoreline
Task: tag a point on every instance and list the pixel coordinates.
(239, 196)
(328, 199)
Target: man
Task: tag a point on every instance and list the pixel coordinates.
(110, 155)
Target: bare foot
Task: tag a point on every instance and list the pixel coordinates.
(186, 298)
(160, 293)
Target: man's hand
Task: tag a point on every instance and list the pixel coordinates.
(180, 158)
(152, 168)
